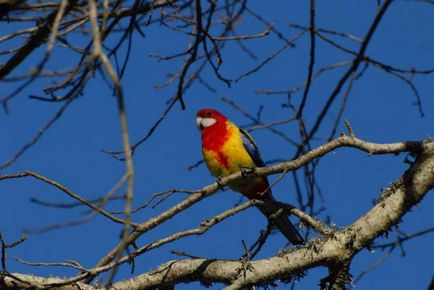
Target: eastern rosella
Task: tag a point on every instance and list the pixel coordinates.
(228, 149)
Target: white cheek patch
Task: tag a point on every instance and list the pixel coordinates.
(206, 122)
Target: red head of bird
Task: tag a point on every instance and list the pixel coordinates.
(208, 117)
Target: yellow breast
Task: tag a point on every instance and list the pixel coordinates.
(233, 151)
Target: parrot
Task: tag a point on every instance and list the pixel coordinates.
(227, 149)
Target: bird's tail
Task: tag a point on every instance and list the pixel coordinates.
(283, 224)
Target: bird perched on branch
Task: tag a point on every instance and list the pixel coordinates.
(228, 149)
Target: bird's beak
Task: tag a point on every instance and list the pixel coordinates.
(199, 123)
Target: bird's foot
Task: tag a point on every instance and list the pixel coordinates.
(245, 171)
(219, 181)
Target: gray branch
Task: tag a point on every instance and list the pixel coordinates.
(335, 249)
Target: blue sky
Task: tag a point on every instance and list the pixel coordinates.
(380, 109)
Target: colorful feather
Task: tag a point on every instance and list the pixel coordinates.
(228, 149)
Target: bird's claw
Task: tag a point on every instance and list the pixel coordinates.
(219, 181)
(246, 171)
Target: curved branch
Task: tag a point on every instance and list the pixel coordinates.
(395, 202)
(340, 247)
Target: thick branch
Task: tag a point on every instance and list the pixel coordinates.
(395, 202)
(339, 247)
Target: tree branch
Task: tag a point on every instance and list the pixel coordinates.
(341, 246)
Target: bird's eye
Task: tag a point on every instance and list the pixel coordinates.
(208, 114)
